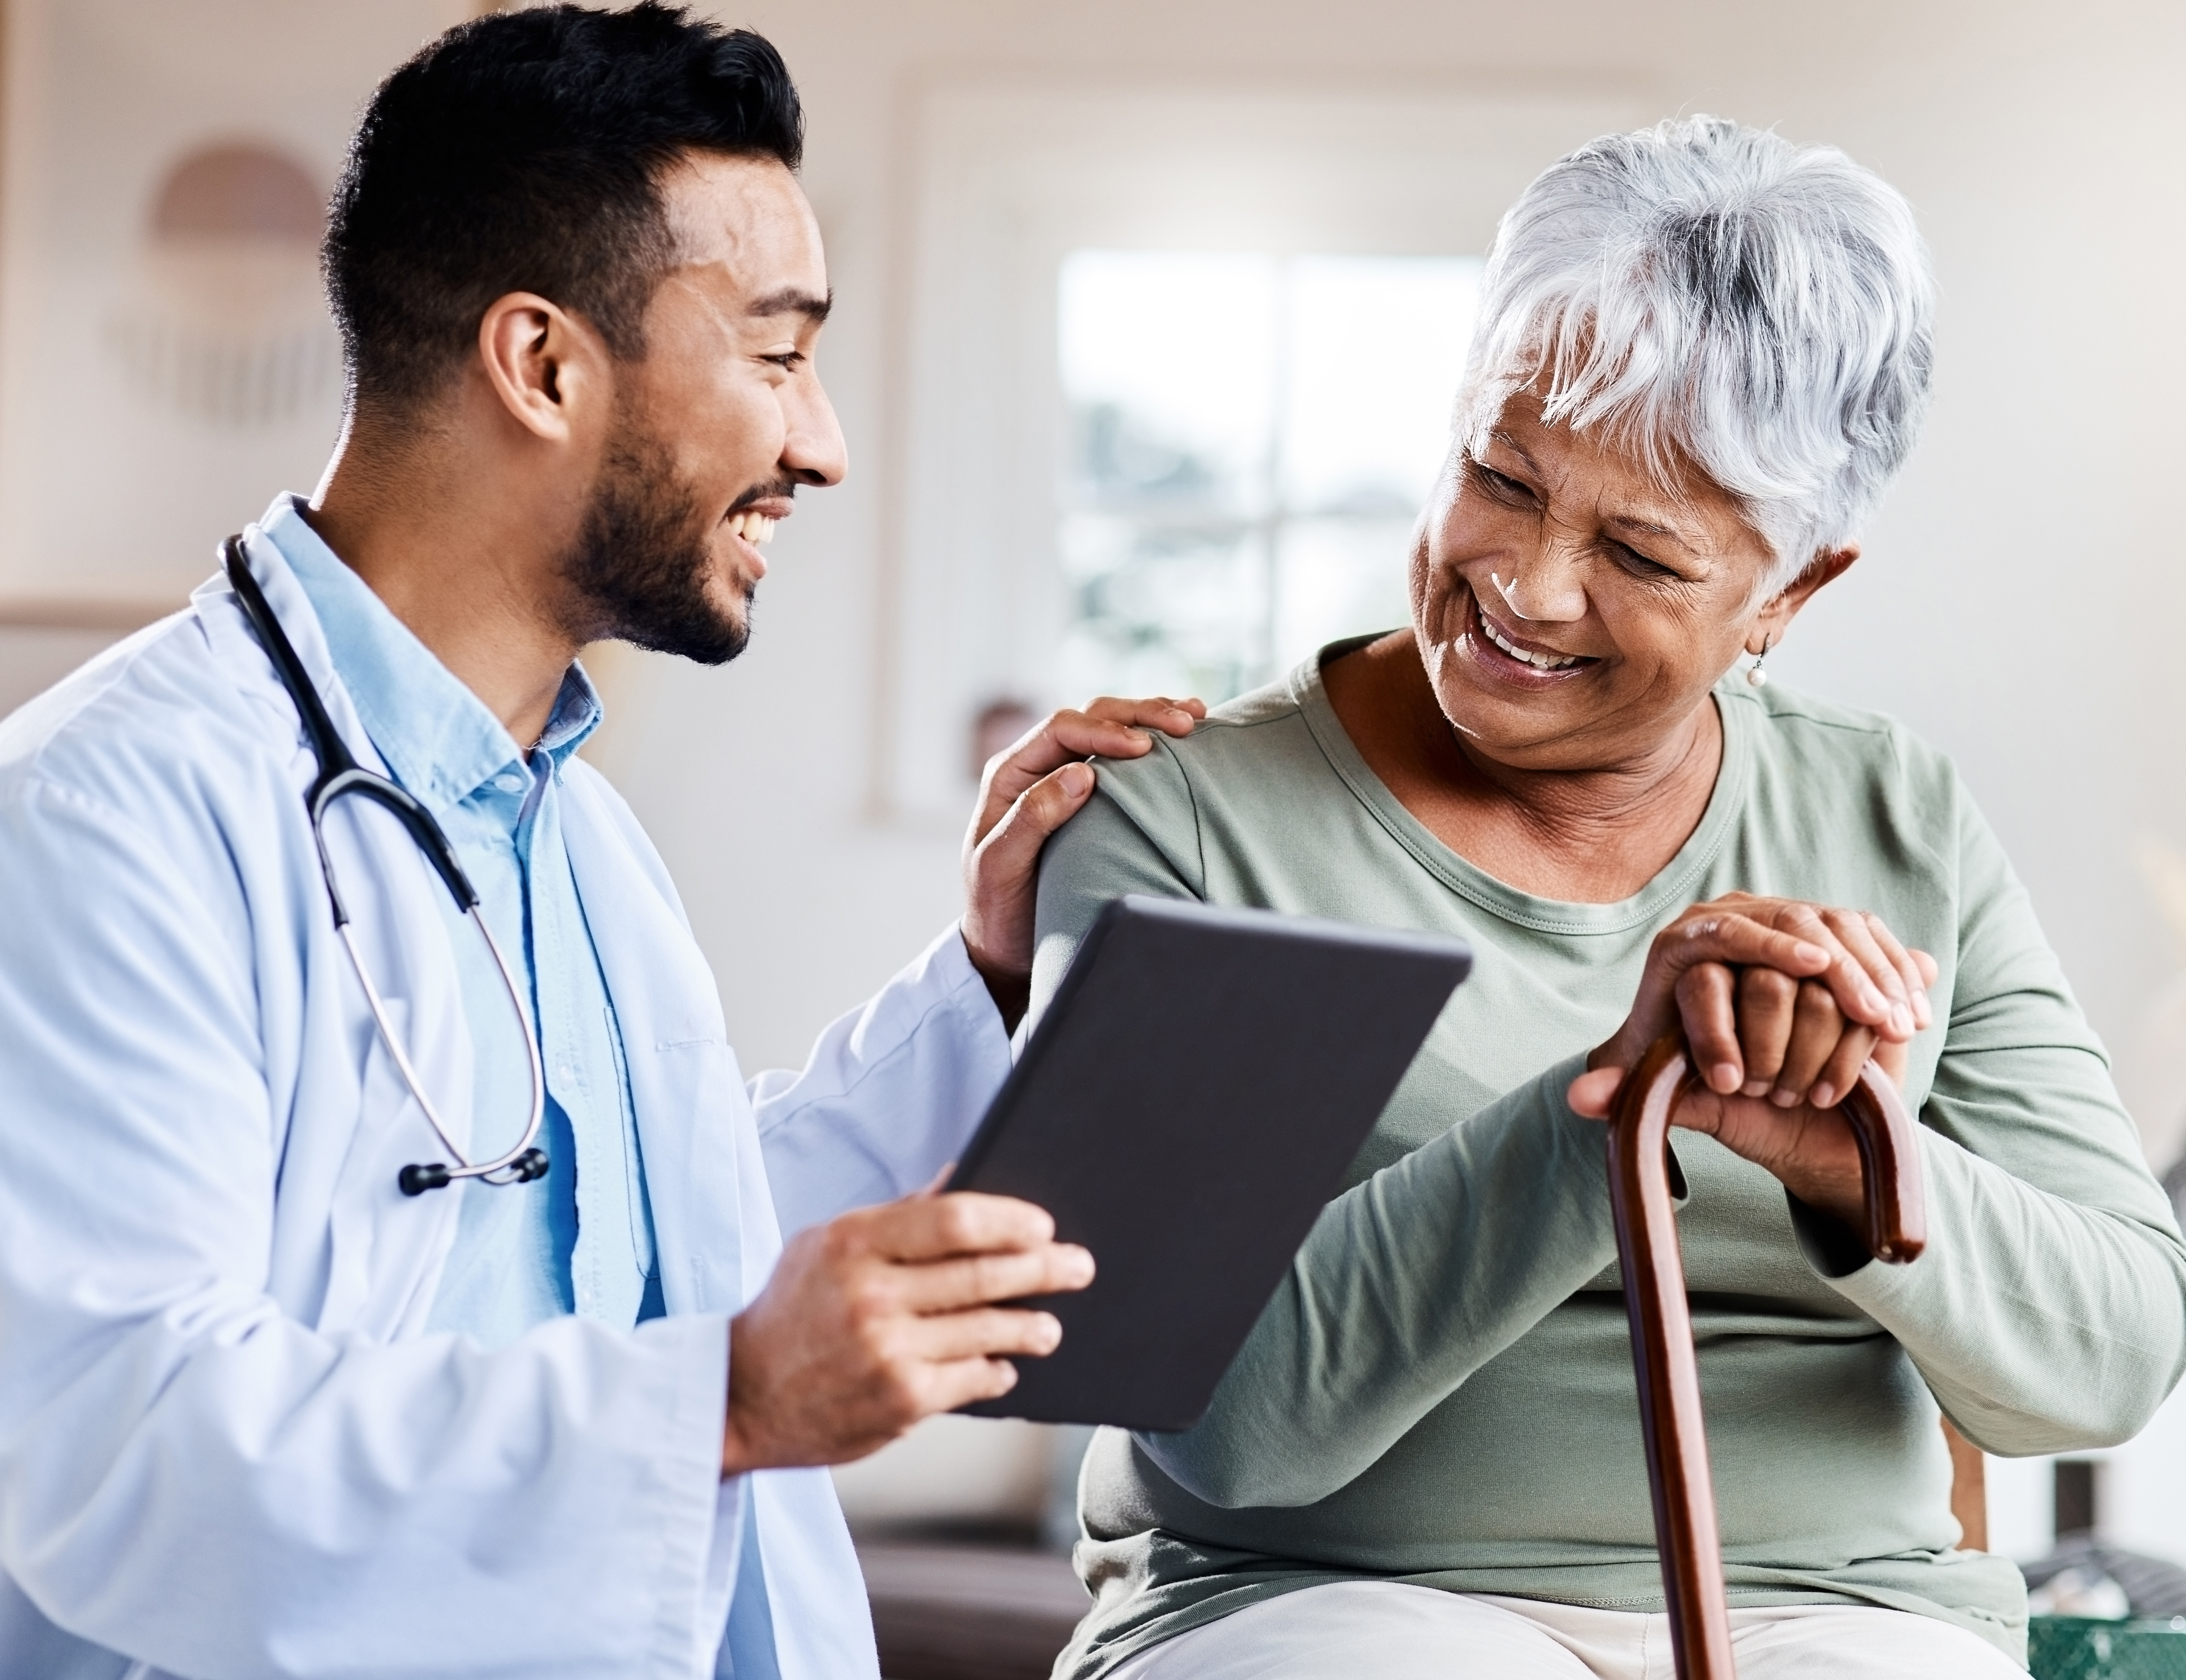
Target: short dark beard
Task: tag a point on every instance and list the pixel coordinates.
(640, 561)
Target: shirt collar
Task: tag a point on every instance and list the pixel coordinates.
(440, 739)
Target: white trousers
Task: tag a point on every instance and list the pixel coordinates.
(1353, 1630)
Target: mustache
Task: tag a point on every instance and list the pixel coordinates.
(778, 487)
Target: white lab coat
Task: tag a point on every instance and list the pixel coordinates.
(228, 1449)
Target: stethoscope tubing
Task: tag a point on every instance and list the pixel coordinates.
(466, 1168)
(340, 776)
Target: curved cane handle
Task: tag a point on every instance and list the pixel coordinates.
(1895, 1230)
(1896, 1212)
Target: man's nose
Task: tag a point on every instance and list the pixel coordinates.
(813, 451)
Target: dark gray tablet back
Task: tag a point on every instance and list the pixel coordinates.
(1184, 1109)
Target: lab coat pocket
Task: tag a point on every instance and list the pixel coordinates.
(388, 1249)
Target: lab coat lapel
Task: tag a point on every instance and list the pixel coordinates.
(706, 1187)
(713, 1218)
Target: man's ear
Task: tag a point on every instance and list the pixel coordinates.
(549, 369)
(1774, 619)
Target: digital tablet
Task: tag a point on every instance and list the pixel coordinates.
(1184, 1109)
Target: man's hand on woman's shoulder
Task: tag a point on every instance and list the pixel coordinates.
(1781, 1003)
(1028, 792)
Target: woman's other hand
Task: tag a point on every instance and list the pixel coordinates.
(1781, 1003)
(1029, 790)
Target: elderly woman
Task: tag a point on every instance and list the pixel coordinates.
(1702, 355)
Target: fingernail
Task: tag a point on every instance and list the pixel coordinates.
(1077, 780)
(1724, 1076)
(1823, 1094)
(1784, 1099)
(1924, 1011)
(1755, 1088)
(1901, 1018)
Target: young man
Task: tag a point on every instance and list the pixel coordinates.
(270, 1402)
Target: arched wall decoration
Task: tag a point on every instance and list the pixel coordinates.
(222, 321)
(167, 361)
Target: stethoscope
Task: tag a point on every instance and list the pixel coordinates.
(340, 776)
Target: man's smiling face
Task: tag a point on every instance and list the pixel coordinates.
(718, 425)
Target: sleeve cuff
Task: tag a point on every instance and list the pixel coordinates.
(952, 965)
(702, 1511)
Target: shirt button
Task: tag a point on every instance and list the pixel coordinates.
(509, 783)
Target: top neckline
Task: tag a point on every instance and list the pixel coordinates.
(1671, 885)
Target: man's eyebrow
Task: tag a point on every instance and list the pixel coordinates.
(791, 300)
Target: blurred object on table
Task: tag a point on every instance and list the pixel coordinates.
(2086, 1577)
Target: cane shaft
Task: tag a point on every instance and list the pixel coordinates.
(1895, 1229)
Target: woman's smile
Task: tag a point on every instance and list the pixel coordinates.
(1499, 651)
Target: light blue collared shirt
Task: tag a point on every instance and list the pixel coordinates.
(580, 1239)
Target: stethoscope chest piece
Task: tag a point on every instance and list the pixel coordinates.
(416, 1180)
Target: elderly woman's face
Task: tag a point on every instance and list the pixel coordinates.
(1570, 613)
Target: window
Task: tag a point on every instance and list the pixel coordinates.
(1176, 376)
(1250, 439)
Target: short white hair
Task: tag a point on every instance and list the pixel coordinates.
(1706, 292)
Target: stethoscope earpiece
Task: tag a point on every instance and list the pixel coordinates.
(528, 1166)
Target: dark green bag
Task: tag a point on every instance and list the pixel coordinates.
(2074, 1648)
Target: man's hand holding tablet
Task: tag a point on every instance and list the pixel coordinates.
(885, 1315)
(1195, 1154)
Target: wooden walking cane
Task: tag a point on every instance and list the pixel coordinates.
(1896, 1230)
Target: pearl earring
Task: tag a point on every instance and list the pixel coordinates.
(1755, 676)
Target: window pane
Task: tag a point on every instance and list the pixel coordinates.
(1251, 439)
(1161, 609)
(1169, 373)
(1376, 346)
(1337, 577)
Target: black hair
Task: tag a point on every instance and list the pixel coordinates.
(522, 151)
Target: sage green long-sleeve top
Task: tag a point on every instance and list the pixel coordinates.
(1441, 1391)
